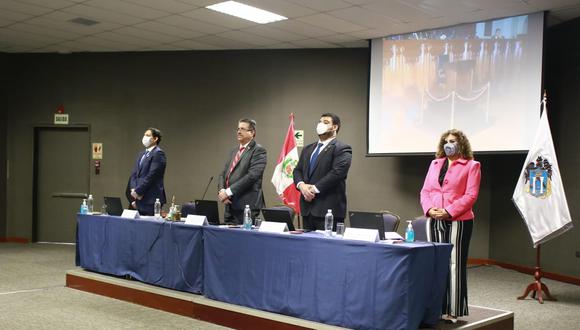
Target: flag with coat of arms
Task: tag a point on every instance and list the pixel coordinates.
(283, 178)
(539, 195)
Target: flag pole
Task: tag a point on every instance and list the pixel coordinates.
(537, 287)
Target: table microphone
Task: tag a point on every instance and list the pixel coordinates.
(210, 180)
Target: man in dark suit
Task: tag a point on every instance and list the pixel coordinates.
(320, 175)
(146, 181)
(240, 182)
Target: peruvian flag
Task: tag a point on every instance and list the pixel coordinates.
(283, 178)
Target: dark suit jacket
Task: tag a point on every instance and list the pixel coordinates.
(329, 177)
(246, 178)
(147, 179)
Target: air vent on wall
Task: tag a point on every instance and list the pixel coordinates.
(84, 21)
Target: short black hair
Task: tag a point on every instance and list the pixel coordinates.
(156, 133)
(250, 122)
(335, 119)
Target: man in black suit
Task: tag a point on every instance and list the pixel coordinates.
(320, 175)
(146, 181)
(240, 183)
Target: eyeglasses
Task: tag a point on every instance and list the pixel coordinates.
(243, 129)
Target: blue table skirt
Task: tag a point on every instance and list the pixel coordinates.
(347, 283)
(166, 254)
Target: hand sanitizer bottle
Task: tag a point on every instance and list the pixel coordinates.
(409, 233)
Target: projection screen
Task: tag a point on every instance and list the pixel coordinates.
(483, 78)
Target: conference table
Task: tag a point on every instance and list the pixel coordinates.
(348, 283)
(166, 254)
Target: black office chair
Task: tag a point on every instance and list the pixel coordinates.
(421, 225)
(187, 208)
(391, 221)
(286, 208)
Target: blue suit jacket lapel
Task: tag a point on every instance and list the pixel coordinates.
(321, 155)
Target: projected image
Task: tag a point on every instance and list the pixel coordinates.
(483, 78)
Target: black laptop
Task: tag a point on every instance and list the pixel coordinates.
(368, 220)
(209, 209)
(114, 206)
(279, 215)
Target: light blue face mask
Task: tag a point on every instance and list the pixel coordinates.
(450, 149)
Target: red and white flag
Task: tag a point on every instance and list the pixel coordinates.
(283, 178)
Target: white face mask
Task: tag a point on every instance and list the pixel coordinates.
(147, 140)
(322, 128)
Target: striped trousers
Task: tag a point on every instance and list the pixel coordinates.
(457, 233)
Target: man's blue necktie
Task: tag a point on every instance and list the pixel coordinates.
(313, 159)
(145, 155)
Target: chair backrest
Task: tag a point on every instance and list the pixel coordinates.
(281, 213)
(368, 220)
(421, 225)
(391, 221)
(187, 208)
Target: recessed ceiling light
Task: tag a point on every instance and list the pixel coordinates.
(246, 12)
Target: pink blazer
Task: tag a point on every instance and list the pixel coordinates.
(458, 192)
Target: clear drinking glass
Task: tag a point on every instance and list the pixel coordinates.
(340, 229)
(104, 209)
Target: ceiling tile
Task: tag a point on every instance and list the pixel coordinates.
(224, 43)
(127, 8)
(363, 17)
(331, 23)
(285, 45)
(340, 38)
(168, 29)
(248, 38)
(123, 38)
(94, 40)
(146, 35)
(281, 7)
(192, 44)
(191, 24)
(267, 31)
(102, 15)
(355, 44)
(199, 3)
(13, 15)
(301, 28)
(170, 6)
(323, 5)
(399, 12)
(43, 30)
(24, 8)
(53, 4)
(314, 43)
(217, 18)
(61, 21)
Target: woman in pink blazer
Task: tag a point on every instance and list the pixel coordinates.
(447, 197)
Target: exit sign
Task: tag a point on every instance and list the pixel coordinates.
(61, 118)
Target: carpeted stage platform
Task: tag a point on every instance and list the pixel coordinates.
(238, 317)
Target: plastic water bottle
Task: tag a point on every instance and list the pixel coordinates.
(157, 209)
(247, 225)
(90, 204)
(84, 208)
(328, 222)
(409, 233)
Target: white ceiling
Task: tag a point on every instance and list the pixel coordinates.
(146, 25)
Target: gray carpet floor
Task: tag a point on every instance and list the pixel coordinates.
(33, 296)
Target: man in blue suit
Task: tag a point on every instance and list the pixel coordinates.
(146, 182)
(320, 175)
